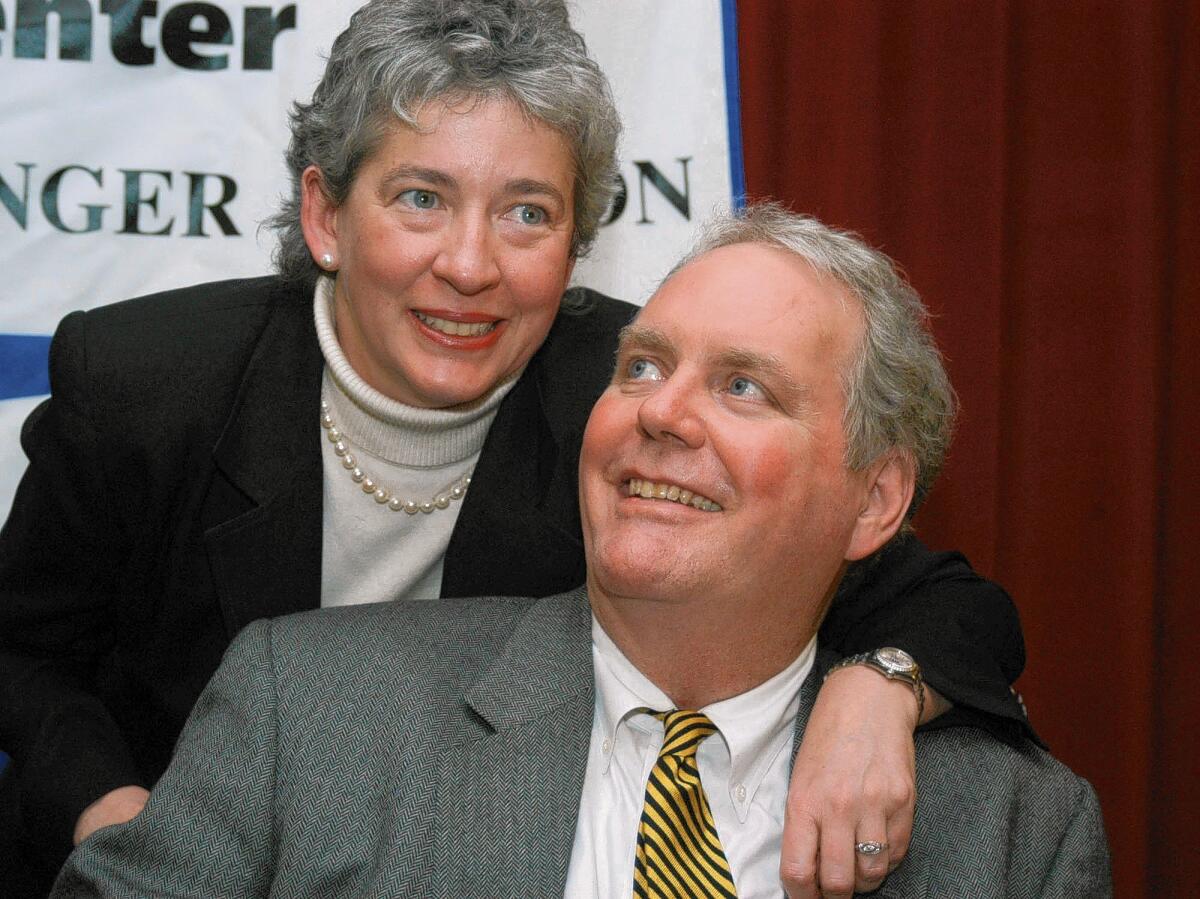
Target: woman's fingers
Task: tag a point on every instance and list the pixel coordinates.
(798, 865)
(837, 868)
(853, 782)
(872, 854)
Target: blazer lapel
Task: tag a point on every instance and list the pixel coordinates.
(508, 801)
(518, 531)
(264, 507)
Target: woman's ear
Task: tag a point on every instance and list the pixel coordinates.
(890, 481)
(318, 218)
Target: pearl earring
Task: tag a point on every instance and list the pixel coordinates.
(326, 260)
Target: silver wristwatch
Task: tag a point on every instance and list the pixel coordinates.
(894, 664)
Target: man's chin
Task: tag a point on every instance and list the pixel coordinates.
(636, 577)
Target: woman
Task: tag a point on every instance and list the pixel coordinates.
(453, 163)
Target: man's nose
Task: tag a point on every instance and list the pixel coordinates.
(467, 260)
(672, 413)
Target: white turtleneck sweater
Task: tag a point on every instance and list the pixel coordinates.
(369, 552)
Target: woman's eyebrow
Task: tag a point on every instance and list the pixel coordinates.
(434, 177)
(519, 186)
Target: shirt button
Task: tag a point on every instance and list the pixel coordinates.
(740, 792)
(606, 746)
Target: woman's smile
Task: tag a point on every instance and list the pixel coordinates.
(463, 331)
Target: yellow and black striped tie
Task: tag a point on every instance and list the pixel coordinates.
(678, 850)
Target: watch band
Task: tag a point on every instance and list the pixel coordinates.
(892, 663)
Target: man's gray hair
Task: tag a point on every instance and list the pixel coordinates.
(897, 393)
(397, 55)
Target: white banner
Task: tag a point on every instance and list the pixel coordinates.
(142, 146)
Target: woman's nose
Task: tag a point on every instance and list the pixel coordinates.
(467, 261)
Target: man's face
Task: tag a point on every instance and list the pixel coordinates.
(713, 463)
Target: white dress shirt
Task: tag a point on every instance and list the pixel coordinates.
(745, 769)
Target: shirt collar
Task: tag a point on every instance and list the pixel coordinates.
(621, 690)
(755, 725)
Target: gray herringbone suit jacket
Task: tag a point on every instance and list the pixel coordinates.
(438, 749)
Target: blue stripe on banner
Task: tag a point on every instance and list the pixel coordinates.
(24, 365)
(733, 102)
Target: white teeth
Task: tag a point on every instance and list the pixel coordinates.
(672, 493)
(455, 329)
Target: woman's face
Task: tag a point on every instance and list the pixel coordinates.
(452, 250)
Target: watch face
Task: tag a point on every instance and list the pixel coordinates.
(895, 660)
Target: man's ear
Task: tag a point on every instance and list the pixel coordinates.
(890, 481)
(318, 216)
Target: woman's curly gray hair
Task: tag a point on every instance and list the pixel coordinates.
(898, 396)
(397, 55)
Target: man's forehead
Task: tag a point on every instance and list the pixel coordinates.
(744, 272)
(752, 299)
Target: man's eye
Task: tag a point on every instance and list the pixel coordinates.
(419, 199)
(528, 214)
(745, 388)
(644, 370)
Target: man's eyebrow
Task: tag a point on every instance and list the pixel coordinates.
(766, 364)
(640, 338)
(644, 338)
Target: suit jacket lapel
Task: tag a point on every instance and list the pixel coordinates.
(520, 783)
(264, 507)
(510, 539)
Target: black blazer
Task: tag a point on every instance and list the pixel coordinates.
(174, 495)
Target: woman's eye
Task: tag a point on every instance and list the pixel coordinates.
(420, 199)
(746, 389)
(644, 370)
(528, 214)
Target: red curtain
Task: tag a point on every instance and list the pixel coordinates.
(1036, 169)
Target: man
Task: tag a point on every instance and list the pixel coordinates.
(775, 408)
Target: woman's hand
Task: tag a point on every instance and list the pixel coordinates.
(115, 807)
(854, 781)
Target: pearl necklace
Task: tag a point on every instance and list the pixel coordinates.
(382, 495)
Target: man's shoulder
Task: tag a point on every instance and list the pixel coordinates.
(440, 628)
(980, 765)
(410, 657)
(997, 819)
(443, 642)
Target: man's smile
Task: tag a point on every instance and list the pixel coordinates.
(670, 492)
